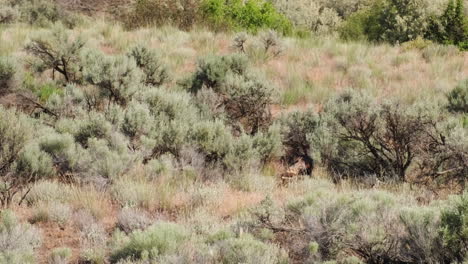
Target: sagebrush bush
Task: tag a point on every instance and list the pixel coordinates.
(380, 139)
(138, 120)
(264, 46)
(458, 98)
(117, 77)
(109, 159)
(245, 96)
(454, 228)
(19, 160)
(246, 249)
(159, 239)
(173, 114)
(213, 140)
(67, 102)
(367, 224)
(67, 155)
(156, 72)
(32, 161)
(8, 14)
(58, 51)
(130, 193)
(17, 240)
(251, 15)
(444, 156)
(94, 127)
(213, 70)
(130, 220)
(7, 74)
(47, 192)
(268, 144)
(181, 13)
(92, 237)
(297, 131)
(247, 103)
(421, 241)
(54, 212)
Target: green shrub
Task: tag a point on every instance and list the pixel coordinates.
(356, 26)
(159, 239)
(64, 102)
(242, 155)
(341, 223)
(156, 73)
(47, 90)
(250, 15)
(398, 21)
(402, 20)
(454, 228)
(58, 51)
(452, 26)
(17, 241)
(458, 98)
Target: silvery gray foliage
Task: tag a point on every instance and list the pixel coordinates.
(17, 240)
(152, 65)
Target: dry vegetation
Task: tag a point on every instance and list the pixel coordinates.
(187, 144)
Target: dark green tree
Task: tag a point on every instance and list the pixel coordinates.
(451, 27)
